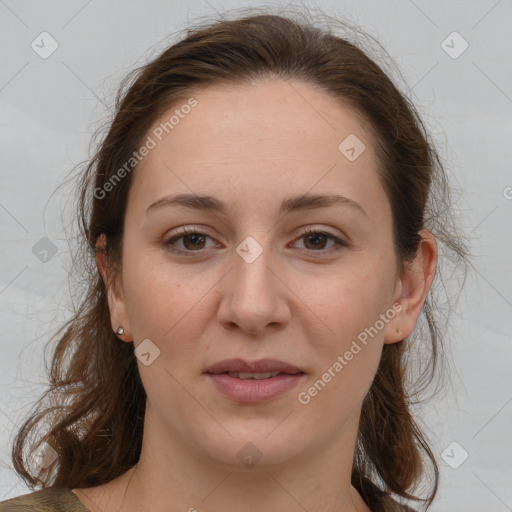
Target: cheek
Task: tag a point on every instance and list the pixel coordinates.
(353, 302)
(167, 308)
(356, 308)
(165, 303)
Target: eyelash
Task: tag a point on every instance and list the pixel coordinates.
(169, 244)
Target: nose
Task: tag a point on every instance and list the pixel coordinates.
(253, 297)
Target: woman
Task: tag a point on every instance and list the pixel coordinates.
(261, 216)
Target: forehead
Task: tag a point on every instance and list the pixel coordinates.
(276, 115)
(262, 139)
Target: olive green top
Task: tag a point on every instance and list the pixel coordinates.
(51, 499)
(60, 499)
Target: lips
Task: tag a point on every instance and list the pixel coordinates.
(260, 366)
(254, 382)
(254, 375)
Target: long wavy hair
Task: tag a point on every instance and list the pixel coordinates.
(93, 411)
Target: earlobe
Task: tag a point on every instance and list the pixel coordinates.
(116, 304)
(413, 288)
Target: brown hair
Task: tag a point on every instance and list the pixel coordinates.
(97, 398)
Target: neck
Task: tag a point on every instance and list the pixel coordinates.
(178, 478)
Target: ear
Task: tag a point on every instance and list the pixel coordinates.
(412, 289)
(113, 284)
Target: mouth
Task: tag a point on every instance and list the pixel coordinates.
(247, 368)
(254, 376)
(254, 382)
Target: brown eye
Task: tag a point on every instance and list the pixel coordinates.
(196, 240)
(192, 241)
(316, 241)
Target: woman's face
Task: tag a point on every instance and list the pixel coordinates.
(250, 285)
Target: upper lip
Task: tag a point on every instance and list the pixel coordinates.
(259, 366)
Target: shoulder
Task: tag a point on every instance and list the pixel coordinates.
(51, 499)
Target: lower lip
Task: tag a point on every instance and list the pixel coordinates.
(254, 390)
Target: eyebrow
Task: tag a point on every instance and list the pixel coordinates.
(292, 204)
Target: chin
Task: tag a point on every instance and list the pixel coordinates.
(260, 447)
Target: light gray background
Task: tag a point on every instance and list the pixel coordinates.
(49, 108)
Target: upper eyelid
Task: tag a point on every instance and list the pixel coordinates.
(186, 230)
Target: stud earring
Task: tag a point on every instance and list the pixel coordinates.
(120, 331)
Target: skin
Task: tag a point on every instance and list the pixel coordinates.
(300, 301)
